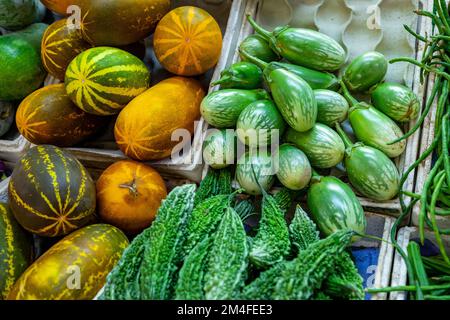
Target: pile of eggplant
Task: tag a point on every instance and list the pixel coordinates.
(284, 113)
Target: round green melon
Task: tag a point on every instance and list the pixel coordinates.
(15, 250)
(103, 80)
(51, 193)
(15, 15)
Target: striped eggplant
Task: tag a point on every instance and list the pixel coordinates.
(254, 171)
(374, 128)
(396, 101)
(260, 123)
(221, 109)
(219, 148)
(370, 171)
(334, 206)
(332, 107)
(241, 75)
(365, 71)
(304, 47)
(293, 170)
(294, 98)
(316, 79)
(322, 145)
(255, 45)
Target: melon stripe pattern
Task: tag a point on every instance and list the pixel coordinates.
(103, 80)
(51, 192)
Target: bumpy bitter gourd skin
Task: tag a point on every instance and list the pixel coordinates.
(204, 219)
(228, 259)
(244, 209)
(302, 230)
(123, 281)
(191, 278)
(284, 199)
(271, 244)
(306, 273)
(216, 182)
(168, 233)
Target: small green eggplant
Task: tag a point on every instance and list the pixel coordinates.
(257, 122)
(370, 171)
(322, 145)
(332, 107)
(396, 101)
(304, 47)
(365, 71)
(222, 108)
(334, 206)
(219, 148)
(374, 128)
(294, 98)
(294, 170)
(255, 45)
(241, 75)
(316, 79)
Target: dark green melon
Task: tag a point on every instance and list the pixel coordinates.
(51, 193)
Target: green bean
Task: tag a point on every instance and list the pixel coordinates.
(433, 219)
(418, 267)
(408, 288)
(423, 200)
(442, 16)
(431, 297)
(415, 34)
(445, 148)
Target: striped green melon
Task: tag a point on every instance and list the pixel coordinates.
(260, 124)
(332, 107)
(104, 80)
(15, 250)
(322, 145)
(219, 148)
(293, 170)
(254, 171)
(51, 193)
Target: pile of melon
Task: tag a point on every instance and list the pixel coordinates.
(71, 70)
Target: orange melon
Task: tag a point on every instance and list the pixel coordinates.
(129, 194)
(188, 41)
(144, 128)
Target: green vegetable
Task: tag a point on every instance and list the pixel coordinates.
(205, 218)
(374, 128)
(293, 97)
(216, 182)
(244, 209)
(294, 169)
(304, 47)
(221, 109)
(396, 101)
(271, 243)
(260, 123)
(191, 278)
(255, 45)
(16, 15)
(284, 199)
(228, 259)
(322, 145)
(316, 79)
(165, 253)
(122, 282)
(302, 230)
(261, 164)
(307, 272)
(370, 171)
(262, 287)
(241, 75)
(332, 107)
(365, 71)
(219, 148)
(334, 206)
(7, 117)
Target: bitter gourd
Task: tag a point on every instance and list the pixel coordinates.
(216, 182)
(205, 218)
(165, 252)
(191, 278)
(228, 259)
(123, 281)
(284, 199)
(306, 273)
(244, 209)
(345, 281)
(262, 287)
(302, 231)
(271, 243)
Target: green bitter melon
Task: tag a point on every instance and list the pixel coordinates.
(215, 183)
(165, 253)
(302, 231)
